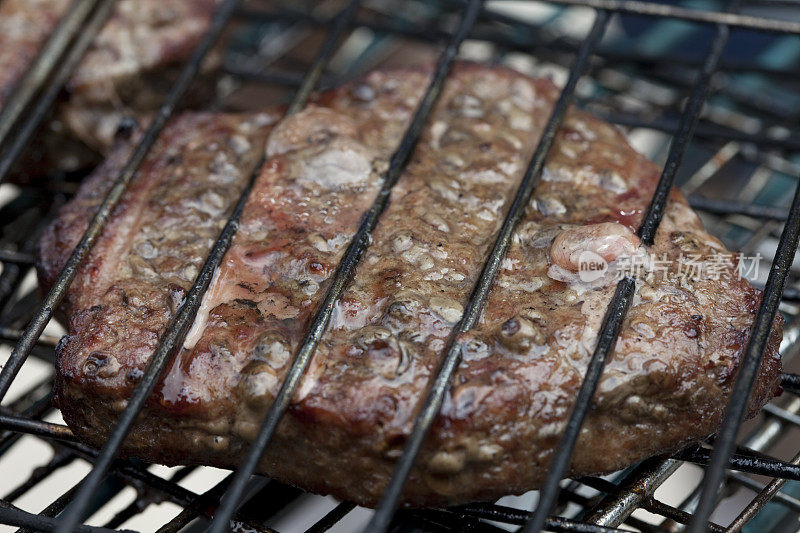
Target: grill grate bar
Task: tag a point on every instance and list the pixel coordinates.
(704, 129)
(12, 256)
(347, 266)
(458, 522)
(780, 497)
(60, 459)
(440, 383)
(784, 415)
(749, 364)
(195, 508)
(14, 516)
(67, 65)
(618, 307)
(57, 506)
(34, 330)
(190, 500)
(765, 466)
(136, 476)
(331, 518)
(139, 504)
(728, 207)
(14, 335)
(35, 408)
(758, 503)
(14, 273)
(432, 33)
(791, 383)
(675, 75)
(626, 502)
(239, 481)
(544, 48)
(37, 427)
(549, 48)
(67, 274)
(90, 483)
(652, 9)
(205, 504)
(676, 515)
(617, 505)
(133, 474)
(510, 515)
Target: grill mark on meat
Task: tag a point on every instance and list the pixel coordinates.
(665, 384)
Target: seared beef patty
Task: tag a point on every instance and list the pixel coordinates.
(665, 385)
(126, 70)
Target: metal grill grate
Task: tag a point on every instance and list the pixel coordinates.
(758, 131)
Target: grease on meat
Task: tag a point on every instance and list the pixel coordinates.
(666, 383)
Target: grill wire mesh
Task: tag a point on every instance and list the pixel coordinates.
(670, 74)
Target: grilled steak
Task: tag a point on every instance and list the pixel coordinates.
(127, 69)
(666, 384)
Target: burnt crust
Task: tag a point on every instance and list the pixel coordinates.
(665, 385)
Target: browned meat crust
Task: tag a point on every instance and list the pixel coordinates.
(666, 384)
(125, 71)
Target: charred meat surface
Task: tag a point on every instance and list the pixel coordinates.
(665, 385)
(125, 71)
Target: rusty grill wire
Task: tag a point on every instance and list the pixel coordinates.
(242, 502)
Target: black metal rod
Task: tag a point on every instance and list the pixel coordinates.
(196, 507)
(17, 517)
(11, 334)
(677, 515)
(60, 458)
(331, 518)
(70, 25)
(571, 529)
(749, 365)
(652, 9)
(792, 503)
(609, 330)
(345, 270)
(706, 130)
(682, 137)
(765, 466)
(231, 497)
(98, 222)
(510, 515)
(167, 345)
(134, 474)
(440, 383)
(140, 504)
(57, 505)
(34, 403)
(12, 256)
(618, 307)
(314, 74)
(37, 427)
(764, 497)
(22, 134)
(728, 207)
(791, 383)
(541, 45)
(786, 416)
